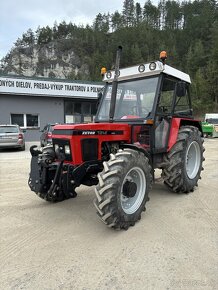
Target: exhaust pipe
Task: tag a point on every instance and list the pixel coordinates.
(114, 85)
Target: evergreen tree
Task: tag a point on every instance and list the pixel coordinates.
(138, 10)
(151, 14)
(28, 38)
(116, 21)
(102, 23)
(212, 68)
(44, 35)
(136, 56)
(129, 13)
(196, 57)
(173, 15)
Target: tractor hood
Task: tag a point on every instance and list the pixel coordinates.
(85, 140)
(91, 129)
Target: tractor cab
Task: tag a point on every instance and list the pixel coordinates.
(150, 94)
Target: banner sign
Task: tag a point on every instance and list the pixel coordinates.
(19, 86)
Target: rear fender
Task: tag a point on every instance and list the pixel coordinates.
(175, 126)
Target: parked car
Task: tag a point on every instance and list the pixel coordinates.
(11, 136)
(46, 136)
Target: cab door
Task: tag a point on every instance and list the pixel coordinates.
(174, 101)
(164, 111)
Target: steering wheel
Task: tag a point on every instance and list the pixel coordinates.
(143, 109)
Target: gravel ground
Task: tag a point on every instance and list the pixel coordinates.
(65, 246)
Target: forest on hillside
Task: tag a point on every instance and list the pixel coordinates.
(187, 30)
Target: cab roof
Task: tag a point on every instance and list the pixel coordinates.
(147, 69)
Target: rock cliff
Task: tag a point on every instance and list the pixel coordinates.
(46, 60)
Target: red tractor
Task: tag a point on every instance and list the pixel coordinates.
(144, 121)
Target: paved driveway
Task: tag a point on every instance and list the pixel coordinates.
(65, 246)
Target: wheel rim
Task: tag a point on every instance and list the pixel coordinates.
(193, 157)
(131, 204)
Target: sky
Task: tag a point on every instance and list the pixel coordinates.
(17, 16)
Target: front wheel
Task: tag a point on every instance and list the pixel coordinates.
(184, 161)
(123, 188)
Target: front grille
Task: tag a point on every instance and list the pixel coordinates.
(61, 143)
(89, 149)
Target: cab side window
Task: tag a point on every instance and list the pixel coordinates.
(182, 104)
(166, 96)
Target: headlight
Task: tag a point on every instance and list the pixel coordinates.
(62, 149)
(108, 75)
(141, 68)
(152, 66)
(67, 149)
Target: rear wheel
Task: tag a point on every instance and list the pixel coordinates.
(184, 161)
(123, 188)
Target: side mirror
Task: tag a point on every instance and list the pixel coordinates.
(181, 89)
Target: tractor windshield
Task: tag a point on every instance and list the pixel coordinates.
(134, 99)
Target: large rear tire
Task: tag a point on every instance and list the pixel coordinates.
(184, 161)
(123, 188)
